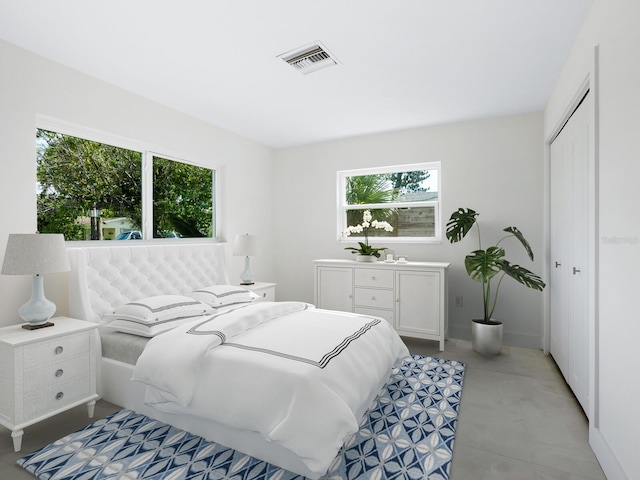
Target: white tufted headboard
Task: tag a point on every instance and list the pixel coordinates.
(104, 277)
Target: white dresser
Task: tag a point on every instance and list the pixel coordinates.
(411, 296)
(46, 371)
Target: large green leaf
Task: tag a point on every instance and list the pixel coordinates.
(522, 275)
(459, 224)
(482, 265)
(518, 234)
(365, 249)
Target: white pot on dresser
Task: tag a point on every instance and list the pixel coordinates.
(46, 371)
(410, 296)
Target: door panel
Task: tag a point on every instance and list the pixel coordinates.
(568, 297)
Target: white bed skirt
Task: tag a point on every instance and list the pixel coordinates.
(119, 389)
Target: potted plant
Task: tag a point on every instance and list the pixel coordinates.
(484, 266)
(365, 252)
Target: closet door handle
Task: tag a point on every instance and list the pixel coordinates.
(558, 264)
(576, 270)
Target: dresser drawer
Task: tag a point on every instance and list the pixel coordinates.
(376, 312)
(37, 355)
(57, 373)
(369, 297)
(53, 397)
(371, 277)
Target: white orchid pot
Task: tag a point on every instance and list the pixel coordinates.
(486, 338)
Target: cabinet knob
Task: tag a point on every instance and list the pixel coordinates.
(373, 277)
(59, 350)
(59, 395)
(397, 300)
(372, 297)
(59, 372)
(350, 296)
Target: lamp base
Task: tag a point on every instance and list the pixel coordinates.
(38, 310)
(28, 326)
(247, 274)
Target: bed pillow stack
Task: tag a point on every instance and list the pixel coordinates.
(150, 316)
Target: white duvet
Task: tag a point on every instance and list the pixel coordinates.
(299, 376)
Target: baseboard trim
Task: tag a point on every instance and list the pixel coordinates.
(607, 458)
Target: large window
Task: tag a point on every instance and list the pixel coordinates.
(90, 190)
(405, 196)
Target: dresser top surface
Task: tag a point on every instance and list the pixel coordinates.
(380, 263)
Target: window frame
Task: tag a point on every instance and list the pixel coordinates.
(147, 152)
(343, 207)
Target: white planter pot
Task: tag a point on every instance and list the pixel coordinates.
(486, 339)
(366, 258)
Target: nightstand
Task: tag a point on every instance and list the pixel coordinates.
(266, 290)
(45, 372)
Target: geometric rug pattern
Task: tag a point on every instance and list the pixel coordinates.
(407, 433)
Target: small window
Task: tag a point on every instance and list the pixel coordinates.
(406, 196)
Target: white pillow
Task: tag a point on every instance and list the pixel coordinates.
(153, 315)
(223, 295)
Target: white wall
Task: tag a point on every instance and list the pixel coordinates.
(493, 166)
(31, 85)
(613, 26)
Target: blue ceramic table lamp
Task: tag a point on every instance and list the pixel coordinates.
(36, 254)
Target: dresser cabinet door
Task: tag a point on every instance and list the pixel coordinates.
(417, 302)
(334, 288)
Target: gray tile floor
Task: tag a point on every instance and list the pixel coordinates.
(518, 421)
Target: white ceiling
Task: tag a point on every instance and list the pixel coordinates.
(403, 64)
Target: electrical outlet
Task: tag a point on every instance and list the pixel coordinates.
(458, 301)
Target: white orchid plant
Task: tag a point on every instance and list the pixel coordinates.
(363, 228)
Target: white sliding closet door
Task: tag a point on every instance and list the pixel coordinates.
(569, 321)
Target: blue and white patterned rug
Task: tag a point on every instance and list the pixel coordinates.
(407, 433)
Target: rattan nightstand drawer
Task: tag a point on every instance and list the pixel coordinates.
(56, 373)
(42, 353)
(54, 397)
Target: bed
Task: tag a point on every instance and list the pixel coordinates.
(176, 386)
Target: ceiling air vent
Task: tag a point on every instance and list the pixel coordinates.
(309, 58)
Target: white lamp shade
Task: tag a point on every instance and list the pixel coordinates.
(245, 246)
(35, 254)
